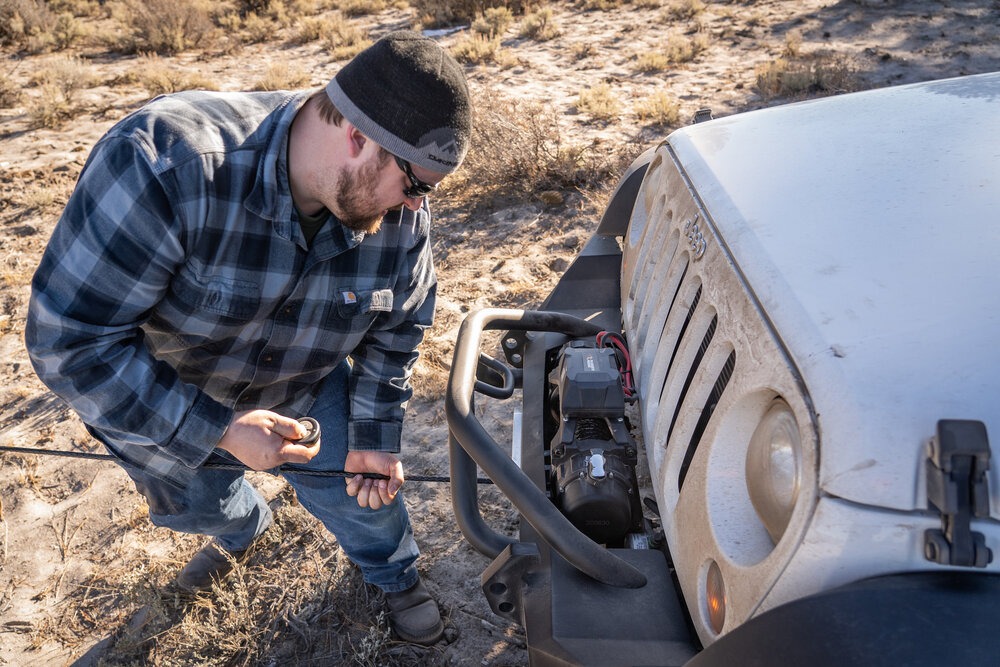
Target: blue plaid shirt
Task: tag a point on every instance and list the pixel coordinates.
(177, 288)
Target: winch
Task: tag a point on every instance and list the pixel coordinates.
(593, 455)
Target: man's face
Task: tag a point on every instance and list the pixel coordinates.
(363, 196)
(357, 197)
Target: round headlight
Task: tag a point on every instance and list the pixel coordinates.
(773, 468)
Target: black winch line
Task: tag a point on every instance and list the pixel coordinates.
(237, 466)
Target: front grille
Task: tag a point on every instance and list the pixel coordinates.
(690, 319)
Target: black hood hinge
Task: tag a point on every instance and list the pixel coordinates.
(957, 461)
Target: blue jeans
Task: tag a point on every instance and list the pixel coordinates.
(221, 503)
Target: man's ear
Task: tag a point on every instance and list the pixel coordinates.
(355, 140)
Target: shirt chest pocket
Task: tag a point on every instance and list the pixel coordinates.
(217, 297)
(360, 307)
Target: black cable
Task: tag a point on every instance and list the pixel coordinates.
(238, 466)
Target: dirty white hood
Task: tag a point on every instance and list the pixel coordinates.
(868, 228)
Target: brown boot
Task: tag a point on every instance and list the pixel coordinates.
(209, 565)
(414, 615)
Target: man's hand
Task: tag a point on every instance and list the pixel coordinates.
(374, 493)
(262, 440)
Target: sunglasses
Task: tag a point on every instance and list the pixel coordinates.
(417, 187)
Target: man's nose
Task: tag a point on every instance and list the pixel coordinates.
(413, 203)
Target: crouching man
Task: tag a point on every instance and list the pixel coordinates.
(231, 262)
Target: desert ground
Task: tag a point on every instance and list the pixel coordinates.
(85, 579)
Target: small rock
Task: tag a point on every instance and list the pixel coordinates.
(559, 265)
(551, 197)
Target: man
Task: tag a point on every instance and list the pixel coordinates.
(231, 262)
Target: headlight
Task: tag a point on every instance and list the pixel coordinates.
(773, 468)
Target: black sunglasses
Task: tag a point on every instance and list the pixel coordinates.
(417, 187)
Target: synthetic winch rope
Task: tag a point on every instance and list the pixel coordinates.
(234, 466)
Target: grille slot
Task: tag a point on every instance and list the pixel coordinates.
(695, 365)
(721, 383)
(663, 313)
(677, 344)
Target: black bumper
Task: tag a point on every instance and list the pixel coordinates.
(914, 619)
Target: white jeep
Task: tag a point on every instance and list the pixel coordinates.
(803, 305)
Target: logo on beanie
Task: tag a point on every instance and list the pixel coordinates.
(440, 146)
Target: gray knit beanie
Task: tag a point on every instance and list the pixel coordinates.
(409, 96)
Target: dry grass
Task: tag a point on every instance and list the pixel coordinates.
(677, 50)
(10, 91)
(518, 150)
(159, 76)
(58, 83)
(362, 7)
(345, 40)
(282, 76)
(476, 49)
(659, 110)
(599, 102)
(436, 13)
(297, 600)
(683, 49)
(540, 25)
(805, 77)
(165, 26)
(312, 29)
(493, 23)
(684, 9)
(26, 24)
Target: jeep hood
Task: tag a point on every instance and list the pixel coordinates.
(867, 228)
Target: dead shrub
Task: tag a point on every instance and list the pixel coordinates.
(599, 102)
(66, 31)
(10, 91)
(256, 28)
(361, 7)
(599, 5)
(77, 7)
(685, 9)
(493, 23)
(793, 44)
(344, 39)
(476, 49)
(159, 77)
(282, 76)
(540, 25)
(166, 26)
(26, 24)
(312, 29)
(682, 49)
(296, 600)
(659, 109)
(253, 6)
(58, 82)
(517, 150)
(436, 13)
(50, 108)
(806, 77)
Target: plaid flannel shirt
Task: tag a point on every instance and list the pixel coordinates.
(177, 288)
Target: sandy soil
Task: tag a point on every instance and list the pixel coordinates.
(84, 577)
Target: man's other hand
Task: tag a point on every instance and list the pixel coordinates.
(374, 493)
(262, 440)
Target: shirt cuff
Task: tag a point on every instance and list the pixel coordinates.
(205, 424)
(371, 435)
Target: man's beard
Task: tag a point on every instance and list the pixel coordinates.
(355, 197)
